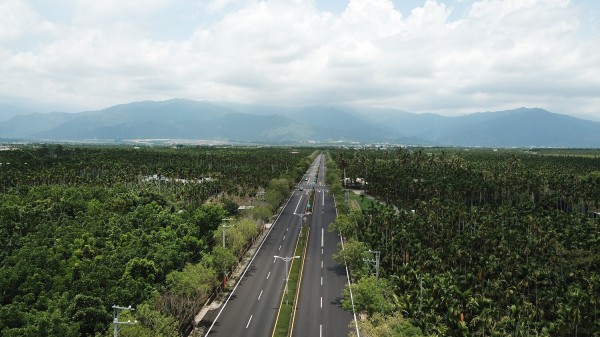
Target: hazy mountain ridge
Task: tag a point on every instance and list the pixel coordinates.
(171, 119)
(187, 119)
(524, 127)
(334, 123)
(8, 111)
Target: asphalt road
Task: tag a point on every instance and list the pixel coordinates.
(252, 307)
(319, 311)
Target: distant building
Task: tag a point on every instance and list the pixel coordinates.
(161, 178)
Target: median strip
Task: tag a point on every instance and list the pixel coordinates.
(286, 312)
(291, 330)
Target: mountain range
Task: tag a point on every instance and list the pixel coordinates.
(187, 119)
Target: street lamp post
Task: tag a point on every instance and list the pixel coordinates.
(287, 272)
(302, 220)
(300, 215)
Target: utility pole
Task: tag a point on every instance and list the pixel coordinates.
(374, 261)
(262, 193)
(345, 188)
(421, 294)
(116, 322)
(262, 220)
(223, 226)
(287, 273)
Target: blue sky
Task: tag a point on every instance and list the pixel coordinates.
(447, 56)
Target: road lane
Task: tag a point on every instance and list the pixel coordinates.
(319, 311)
(334, 279)
(252, 306)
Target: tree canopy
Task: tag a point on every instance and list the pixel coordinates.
(87, 227)
(480, 242)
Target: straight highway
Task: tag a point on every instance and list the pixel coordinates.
(319, 311)
(252, 306)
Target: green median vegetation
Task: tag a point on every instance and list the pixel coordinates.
(286, 311)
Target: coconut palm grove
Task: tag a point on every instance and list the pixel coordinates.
(469, 241)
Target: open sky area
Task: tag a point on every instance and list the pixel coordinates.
(447, 56)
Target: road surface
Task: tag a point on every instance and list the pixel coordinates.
(319, 312)
(254, 302)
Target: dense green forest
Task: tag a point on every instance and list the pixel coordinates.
(85, 228)
(474, 242)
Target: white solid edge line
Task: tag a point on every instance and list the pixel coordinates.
(247, 266)
(297, 205)
(348, 277)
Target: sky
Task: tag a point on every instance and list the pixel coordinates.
(448, 56)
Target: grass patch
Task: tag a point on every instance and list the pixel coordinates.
(364, 202)
(282, 326)
(283, 321)
(311, 200)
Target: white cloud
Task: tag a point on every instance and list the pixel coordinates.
(499, 54)
(19, 20)
(89, 12)
(217, 6)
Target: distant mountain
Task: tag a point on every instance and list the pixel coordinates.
(331, 123)
(522, 127)
(260, 109)
(29, 126)
(425, 126)
(186, 119)
(176, 119)
(8, 111)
